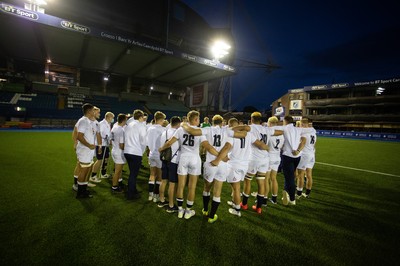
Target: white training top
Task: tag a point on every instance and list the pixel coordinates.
(166, 135)
(292, 137)
(241, 150)
(117, 137)
(217, 137)
(85, 126)
(263, 134)
(311, 139)
(189, 144)
(154, 140)
(135, 138)
(105, 132)
(275, 143)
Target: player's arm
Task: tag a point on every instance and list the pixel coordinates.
(301, 146)
(236, 134)
(207, 146)
(242, 128)
(75, 137)
(278, 132)
(191, 130)
(167, 144)
(99, 142)
(261, 145)
(222, 154)
(82, 140)
(121, 143)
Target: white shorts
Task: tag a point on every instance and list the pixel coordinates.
(236, 172)
(258, 166)
(306, 161)
(189, 165)
(155, 162)
(118, 156)
(274, 163)
(211, 172)
(84, 154)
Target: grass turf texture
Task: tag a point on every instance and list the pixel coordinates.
(351, 218)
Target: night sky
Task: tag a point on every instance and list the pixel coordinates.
(314, 42)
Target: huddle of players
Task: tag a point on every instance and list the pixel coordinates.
(234, 153)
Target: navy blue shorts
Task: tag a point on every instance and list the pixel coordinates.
(170, 172)
(103, 150)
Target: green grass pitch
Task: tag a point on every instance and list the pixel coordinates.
(352, 217)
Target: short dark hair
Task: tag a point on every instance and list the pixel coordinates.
(175, 120)
(288, 119)
(86, 108)
(121, 118)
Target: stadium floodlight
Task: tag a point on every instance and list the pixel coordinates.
(220, 49)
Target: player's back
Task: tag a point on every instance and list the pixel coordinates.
(241, 150)
(311, 138)
(189, 144)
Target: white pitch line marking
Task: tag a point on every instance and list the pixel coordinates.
(357, 169)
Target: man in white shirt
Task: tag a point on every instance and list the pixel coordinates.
(292, 148)
(102, 158)
(117, 153)
(154, 143)
(135, 144)
(307, 160)
(84, 149)
(189, 164)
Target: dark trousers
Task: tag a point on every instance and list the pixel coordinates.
(289, 166)
(134, 163)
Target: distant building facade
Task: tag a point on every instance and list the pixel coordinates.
(371, 106)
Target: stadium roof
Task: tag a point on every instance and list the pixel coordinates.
(37, 37)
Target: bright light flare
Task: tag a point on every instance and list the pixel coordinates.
(220, 49)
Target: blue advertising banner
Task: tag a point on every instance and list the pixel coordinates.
(359, 135)
(113, 36)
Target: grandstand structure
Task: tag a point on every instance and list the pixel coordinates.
(152, 55)
(367, 106)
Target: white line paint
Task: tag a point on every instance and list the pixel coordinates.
(357, 169)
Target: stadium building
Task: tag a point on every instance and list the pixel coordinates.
(152, 55)
(367, 106)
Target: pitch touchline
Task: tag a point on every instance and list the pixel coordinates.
(357, 169)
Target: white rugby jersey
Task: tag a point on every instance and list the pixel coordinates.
(117, 137)
(135, 138)
(311, 139)
(241, 150)
(166, 135)
(105, 132)
(85, 126)
(275, 143)
(154, 140)
(263, 134)
(217, 137)
(189, 144)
